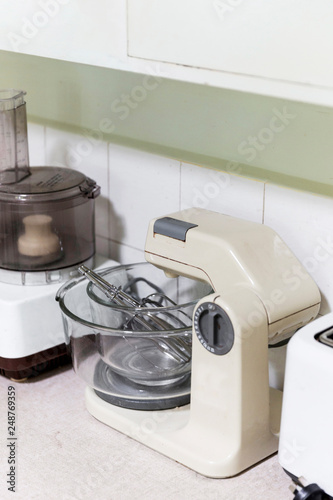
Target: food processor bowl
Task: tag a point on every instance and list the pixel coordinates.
(47, 225)
(135, 357)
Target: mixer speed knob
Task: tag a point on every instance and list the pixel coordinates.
(213, 328)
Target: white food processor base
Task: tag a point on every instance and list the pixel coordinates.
(32, 335)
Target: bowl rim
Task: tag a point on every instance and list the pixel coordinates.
(61, 293)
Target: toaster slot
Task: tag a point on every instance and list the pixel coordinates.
(326, 337)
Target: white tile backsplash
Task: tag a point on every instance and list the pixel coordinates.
(36, 141)
(142, 186)
(138, 186)
(125, 254)
(305, 222)
(221, 192)
(89, 156)
(102, 246)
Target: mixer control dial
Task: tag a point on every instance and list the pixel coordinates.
(213, 328)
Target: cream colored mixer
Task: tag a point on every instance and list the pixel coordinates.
(233, 419)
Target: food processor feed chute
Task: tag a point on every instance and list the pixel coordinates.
(14, 154)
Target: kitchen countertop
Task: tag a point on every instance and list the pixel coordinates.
(63, 453)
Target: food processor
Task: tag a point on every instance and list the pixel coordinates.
(46, 231)
(137, 376)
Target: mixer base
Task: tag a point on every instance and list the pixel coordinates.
(173, 433)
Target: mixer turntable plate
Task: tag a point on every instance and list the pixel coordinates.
(123, 392)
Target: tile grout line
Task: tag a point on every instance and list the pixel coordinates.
(44, 143)
(108, 163)
(180, 186)
(263, 204)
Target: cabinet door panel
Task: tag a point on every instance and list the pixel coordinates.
(72, 30)
(278, 39)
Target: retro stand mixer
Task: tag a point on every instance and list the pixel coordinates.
(46, 230)
(233, 418)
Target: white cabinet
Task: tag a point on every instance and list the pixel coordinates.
(281, 40)
(277, 48)
(84, 31)
(274, 42)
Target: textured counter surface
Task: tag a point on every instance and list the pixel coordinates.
(63, 453)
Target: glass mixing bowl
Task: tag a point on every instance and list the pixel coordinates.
(138, 357)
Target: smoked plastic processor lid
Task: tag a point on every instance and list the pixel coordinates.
(47, 184)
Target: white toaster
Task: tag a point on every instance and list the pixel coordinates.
(306, 440)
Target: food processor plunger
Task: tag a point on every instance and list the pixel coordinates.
(38, 239)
